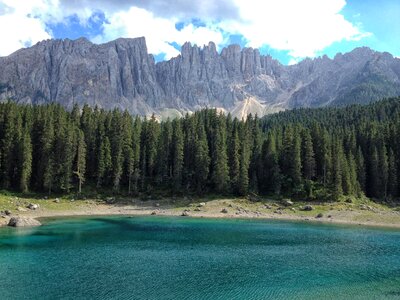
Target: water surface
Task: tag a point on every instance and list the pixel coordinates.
(186, 258)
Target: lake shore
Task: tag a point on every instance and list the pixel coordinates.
(366, 213)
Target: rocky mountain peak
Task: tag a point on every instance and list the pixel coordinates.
(122, 74)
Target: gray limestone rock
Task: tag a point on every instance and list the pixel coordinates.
(122, 74)
(23, 222)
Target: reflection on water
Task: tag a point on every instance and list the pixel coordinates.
(184, 258)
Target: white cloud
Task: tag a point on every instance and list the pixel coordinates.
(303, 28)
(138, 22)
(159, 32)
(19, 25)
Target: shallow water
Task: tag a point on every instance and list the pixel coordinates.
(186, 258)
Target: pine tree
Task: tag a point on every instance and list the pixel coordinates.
(64, 152)
(392, 175)
(243, 182)
(220, 176)
(323, 157)
(80, 160)
(128, 155)
(337, 168)
(361, 172)
(189, 124)
(255, 145)
(104, 164)
(308, 160)
(355, 186)
(296, 164)
(7, 144)
(25, 161)
(373, 181)
(136, 132)
(117, 149)
(164, 149)
(47, 158)
(234, 158)
(271, 178)
(149, 139)
(177, 155)
(346, 177)
(383, 171)
(89, 127)
(201, 158)
(101, 164)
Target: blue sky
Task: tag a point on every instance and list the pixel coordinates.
(289, 30)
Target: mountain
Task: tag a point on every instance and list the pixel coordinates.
(122, 74)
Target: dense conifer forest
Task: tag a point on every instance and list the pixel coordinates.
(309, 154)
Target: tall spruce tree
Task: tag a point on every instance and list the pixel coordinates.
(243, 180)
(201, 158)
(177, 155)
(337, 168)
(80, 160)
(25, 160)
(271, 178)
(308, 159)
(234, 158)
(361, 172)
(392, 175)
(220, 176)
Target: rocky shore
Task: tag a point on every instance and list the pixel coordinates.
(340, 213)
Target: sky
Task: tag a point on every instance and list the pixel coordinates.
(289, 30)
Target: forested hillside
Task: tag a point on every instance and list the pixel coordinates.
(313, 154)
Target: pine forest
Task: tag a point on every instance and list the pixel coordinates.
(310, 154)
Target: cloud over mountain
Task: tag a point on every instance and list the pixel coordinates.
(301, 28)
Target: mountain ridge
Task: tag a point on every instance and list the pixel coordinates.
(122, 74)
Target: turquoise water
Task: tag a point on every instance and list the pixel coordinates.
(185, 258)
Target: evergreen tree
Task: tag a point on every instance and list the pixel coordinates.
(308, 160)
(323, 157)
(7, 144)
(202, 159)
(383, 172)
(254, 145)
(220, 176)
(164, 152)
(346, 177)
(47, 163)
(104, 163)
(25, 161)
(361, 172)
(324, 151)
(373, 180)
(149, 139)
(177, 155)
(136, 132)
(243, 182)
(234, 158)
(337, 168)
(296, 161)
(189, 129)
(392, 175)
(271, 178)
(80, 160)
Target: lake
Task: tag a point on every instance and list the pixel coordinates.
(188, 258)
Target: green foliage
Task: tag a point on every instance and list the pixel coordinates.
(314, 154)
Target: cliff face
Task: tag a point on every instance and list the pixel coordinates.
(121, 74)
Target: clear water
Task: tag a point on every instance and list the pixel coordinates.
(184, 258)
